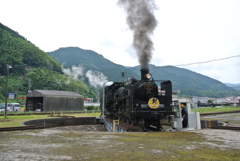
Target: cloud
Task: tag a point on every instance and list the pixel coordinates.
(187, 32)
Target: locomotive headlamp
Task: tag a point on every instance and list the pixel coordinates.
(148, 76)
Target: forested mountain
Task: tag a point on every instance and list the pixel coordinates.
(91, 60)
(20, 54)
(188, 82)
(32, 68)
(235, 86)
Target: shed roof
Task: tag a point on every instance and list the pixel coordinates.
(54, 93)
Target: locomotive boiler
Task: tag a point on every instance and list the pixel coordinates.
(139, 102)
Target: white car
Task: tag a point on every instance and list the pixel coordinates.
(14, 107)
(10, 107)
(38, 110)
(2, 107)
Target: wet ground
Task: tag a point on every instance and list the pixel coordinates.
(83, 128)
(232, 119)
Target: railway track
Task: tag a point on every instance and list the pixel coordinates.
(21, 128)
(130, 128)
(47, 113)
(36, 127)
(127, 127)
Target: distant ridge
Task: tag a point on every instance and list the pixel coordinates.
(188, 82)
(235, 86)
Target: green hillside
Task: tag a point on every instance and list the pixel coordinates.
(91, 60)
(188, 82)
(32, 68)
(20, 53)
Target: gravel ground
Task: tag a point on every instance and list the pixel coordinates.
(230, 138)
(91, 143)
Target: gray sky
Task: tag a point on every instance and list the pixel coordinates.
(188, 31)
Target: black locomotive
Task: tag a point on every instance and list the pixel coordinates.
(139, 102)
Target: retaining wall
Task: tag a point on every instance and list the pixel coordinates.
(63, 121)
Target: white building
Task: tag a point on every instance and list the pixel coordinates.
(195, 99)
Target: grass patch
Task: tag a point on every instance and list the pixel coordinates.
(147, 146)
(216, 109)
(210, 153)
(14, 121)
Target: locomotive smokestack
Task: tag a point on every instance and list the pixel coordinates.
(142, 22)
(144, 71)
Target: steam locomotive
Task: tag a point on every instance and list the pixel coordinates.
(139, 102)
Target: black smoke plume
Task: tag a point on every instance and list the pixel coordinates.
(141, 20)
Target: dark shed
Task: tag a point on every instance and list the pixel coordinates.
(48, 100)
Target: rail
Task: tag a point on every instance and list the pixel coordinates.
(47, 113)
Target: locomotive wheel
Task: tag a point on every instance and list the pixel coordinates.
(119, 117)
(115, 115)
(158, 126)
(147, 124)
(142, 123)
(122, 118)
(133, 122)
(128, 120)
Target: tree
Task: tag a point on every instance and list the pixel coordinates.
(210, 101)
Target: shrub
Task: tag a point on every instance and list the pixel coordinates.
(90, 108)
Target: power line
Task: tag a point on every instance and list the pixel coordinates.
(189, 63)
(208, 61)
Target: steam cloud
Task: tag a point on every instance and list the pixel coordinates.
(96, 79)
(74, 73)
(142, 22)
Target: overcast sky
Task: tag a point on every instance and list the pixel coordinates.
(188, 31)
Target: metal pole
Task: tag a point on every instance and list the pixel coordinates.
(6, 95)
(17, 89)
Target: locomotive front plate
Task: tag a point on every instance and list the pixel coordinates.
(153, 103)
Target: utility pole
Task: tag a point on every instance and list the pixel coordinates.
(6, 95)
(20, 77)
(29, 85)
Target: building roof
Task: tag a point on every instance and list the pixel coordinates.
(53, 93)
